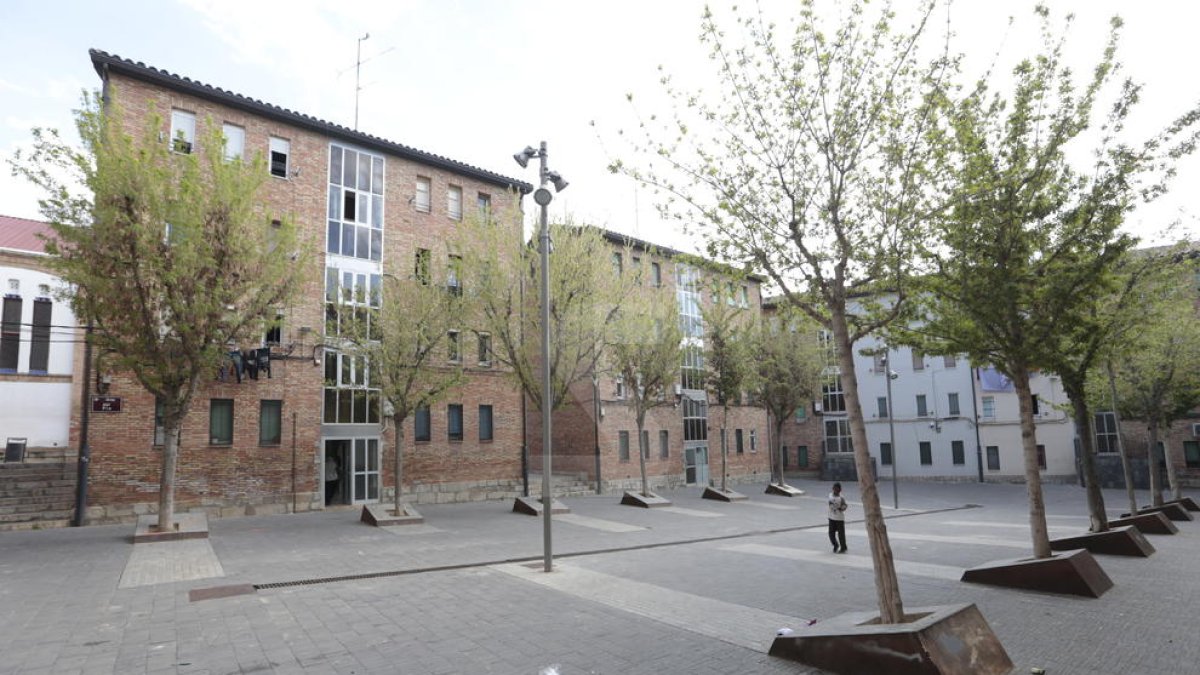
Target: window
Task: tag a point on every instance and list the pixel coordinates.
(656, 274)
(356, 198)
(737, 435)
(454, 204)
(922, 407)
(879, 364)
(745, 296)
(786, 460)
(485, 350)
(837, 436)
(989, 407)
(274, 332)
(1041, 456)
(802, 456)
(885, 454)
(620, 392)
(957, 454)
(623, 446)
(636, 262)
(421, 425)
(729, 297)
(1106, 432)
(220, 421)
(1034, 402)
(421, 269)
(801, 414)
(832, 396)
(183, 131)
(279, 150)
(664, 444)
(10, 334)
(454, 274)
(695, 420)
(617, 264)
(452, 347)
(754, 440)
(485, 422)
(350, 296)
(423, 198)
(926, 449)
(881, 402)
(952, 408)
(159, 433)
(39, 339)
(949, 361)
(270, 422)
(235, 141)
(454, 422)
(484, 204)
(350, 397)
(993, 457)
(918, 360)
(645, 445)
(1191, 454)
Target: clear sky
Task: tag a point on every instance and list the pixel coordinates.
(477, 80)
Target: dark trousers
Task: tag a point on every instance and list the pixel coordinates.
(837, 534)
(330, 491)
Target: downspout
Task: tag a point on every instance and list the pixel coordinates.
(293, 461)
(85, 451)
(596, 430)
(975, 412)
(521, 338)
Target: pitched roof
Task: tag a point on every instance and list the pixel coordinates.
(105, 63)
(22, 234)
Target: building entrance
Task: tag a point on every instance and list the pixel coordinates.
(350, 470)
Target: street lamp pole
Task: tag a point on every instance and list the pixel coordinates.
(890, 375)
(543, 198)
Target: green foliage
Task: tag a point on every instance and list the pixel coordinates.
(502, 274)
(788, 363)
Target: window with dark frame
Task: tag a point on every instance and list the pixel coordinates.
(183, 131)
(454, 422)
(220, 421)
(421, 266)
(737, 435)
(485, 423)
(664, 444)
(1041, 456)
(656, 274)
(422, 199)
(623, 446)
(993, 457)
(926, 449)
(802, 457)
(922, 406)
(422, 431)
(1191, 454)
(881, 403)
(952, 407)
(918, 360)
(485, 350)
(885, 454)
(10, 334)
(958, 454)
(39, 339)
(1106, 432)
(270, 422)
(279, 149)
(454, 353)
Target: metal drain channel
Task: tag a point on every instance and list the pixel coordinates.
(575, 554)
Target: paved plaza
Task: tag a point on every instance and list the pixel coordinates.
(699, 587)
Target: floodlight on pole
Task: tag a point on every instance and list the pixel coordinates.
(543, 197)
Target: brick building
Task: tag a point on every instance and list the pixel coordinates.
(262, 442)
(595, 434)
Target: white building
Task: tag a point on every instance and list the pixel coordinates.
(37, 342)
(1000, 428)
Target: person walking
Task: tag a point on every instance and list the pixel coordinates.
(837, 519)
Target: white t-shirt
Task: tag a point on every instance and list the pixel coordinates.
(837, 507)
(331, 471)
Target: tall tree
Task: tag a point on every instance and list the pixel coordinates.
(787, 370)
(1030, 239)
(646, 352)
(1156, 379)
(172, 255)
(408, 349)
(726, 362)
(811, 165)
(585, 294)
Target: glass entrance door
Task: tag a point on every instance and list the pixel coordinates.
(365, 485)
(695, 464)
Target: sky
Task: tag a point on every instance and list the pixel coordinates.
(477, 80)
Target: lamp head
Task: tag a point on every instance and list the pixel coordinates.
(524, 156)
(893, 375)
(559, 183)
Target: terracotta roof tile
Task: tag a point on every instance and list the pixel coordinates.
(22, 234)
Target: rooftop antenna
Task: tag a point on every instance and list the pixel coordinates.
(357, 69)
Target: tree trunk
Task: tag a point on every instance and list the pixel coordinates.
(1126, 467)
(779, 447)
(166, 483)
(398, 466)
(641, 423)
(724, 446)
(1152, 461)
(1033, 476)
(1087, 450)
(887, 586)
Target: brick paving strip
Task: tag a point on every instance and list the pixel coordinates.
(597, 523)
(724, 621)
(860, 562)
